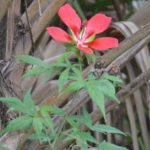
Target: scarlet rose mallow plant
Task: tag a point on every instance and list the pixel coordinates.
(83, 34)
(98, 87)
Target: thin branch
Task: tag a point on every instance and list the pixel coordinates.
(4, 4)
(39, 8)
(11, 91)
(30, 31)
(116, 4)
(132, 122)
(125, 45)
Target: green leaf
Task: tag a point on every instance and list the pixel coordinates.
(108, 146)
(77, 73)
(71, 47)
(32, 137)
(47, 119)
(53, 109)
(68, 138)
(96, 95)
(111, 78)
(31, 60)
(28, 102)
(87, 116)
(11, 109)
(19, 147)
(15, 103)
(106, 129)
(34, 72)
(82, 145)
(58, 111)
(62, 134)
(49, 74)
(93, 148)
(74, 124)
(78, 118)
(18, 123)
(93, 57)
(58, 64)
(107, 88)
(86, 119)
(63, 78)
(75, 86)
(44, 137)
(38, 126)
(64, 56)
(85, 136)
(3, 148)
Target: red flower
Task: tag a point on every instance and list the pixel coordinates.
(84, 38)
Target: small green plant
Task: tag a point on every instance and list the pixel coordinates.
(41, 119)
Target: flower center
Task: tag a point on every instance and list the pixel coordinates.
(80, 42)
(81, 38)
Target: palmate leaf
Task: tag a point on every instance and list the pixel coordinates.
(15, 103)
(108, 146)
(98, 98)
(75, 86)
(28, 102)
(47, 119)
(98, 89)
(44, 137)
(107, 88)
(96, 95)
(18, 123)
(31, 60)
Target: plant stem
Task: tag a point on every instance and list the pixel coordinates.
(79, 59)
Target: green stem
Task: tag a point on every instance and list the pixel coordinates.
(79, 59)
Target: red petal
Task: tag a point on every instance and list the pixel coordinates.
(97, 24)
(68, 15)
(85, 50)
(59, 35)
(103, 43)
